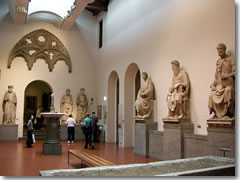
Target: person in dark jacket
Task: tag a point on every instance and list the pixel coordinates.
(29, 141)
(95, 132)
(87, 128)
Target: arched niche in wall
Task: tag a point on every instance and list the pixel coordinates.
(37, 93)
(129, 100)
(40, 44)
(112, 104)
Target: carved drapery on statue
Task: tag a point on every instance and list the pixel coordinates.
(222, 96)
(82, 106)
(66, 105)
(9, 106)
(40, 44)
(144, 102)
(178, 93)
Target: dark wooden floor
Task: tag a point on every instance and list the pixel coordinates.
(17, 160)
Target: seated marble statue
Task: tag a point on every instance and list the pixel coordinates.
(222, 96)
(82, 105)
(178, 93)
(66, 105)
(144, 102)
(9, 106)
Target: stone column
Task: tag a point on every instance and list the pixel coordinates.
(52, 145)
(173, 137)
(141, 136)
(221, 135)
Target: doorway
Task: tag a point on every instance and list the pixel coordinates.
(37, 93)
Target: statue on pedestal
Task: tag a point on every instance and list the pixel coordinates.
(66, 105)
(82, 105)
(178, 93)
(9, 106)
(222, 96)
(144, 102)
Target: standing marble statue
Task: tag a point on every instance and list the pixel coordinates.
(9, 106)
(222, 96)
(82, 105)
(66, 105)
(144, 102)
(178, 93)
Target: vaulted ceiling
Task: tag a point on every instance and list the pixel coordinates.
(18, 11)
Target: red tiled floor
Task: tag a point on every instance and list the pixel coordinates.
(17, 160)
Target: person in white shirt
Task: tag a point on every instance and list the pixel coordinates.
(70, 129)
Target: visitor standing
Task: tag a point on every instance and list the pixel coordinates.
(95, 133)
(70, 129)
(29, 141)
(87, 126)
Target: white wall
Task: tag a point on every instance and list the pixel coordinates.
(83, 66)
(152, 33)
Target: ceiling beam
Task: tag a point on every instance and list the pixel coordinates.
(69, 21)
(18, 11)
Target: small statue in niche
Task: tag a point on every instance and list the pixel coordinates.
(82, 105)
(9, 106)
(66, 105)
(178, 93)
(144, 102)
(222, 96)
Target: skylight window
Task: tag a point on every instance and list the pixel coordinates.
(59, 7)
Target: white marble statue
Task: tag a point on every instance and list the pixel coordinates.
(222, 97)
(178, 93)
(82, 106)
(144, 102)
(66, 106)
(9, 106)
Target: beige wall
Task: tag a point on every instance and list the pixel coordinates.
(83, 67)
(152, 33)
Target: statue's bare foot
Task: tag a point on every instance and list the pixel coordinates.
(213, 117)
(180, 117)
(226, 117)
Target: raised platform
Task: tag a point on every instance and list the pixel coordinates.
(141, 139)
(8, 132)
(221, 123)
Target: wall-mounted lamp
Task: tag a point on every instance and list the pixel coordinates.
(105, 98)
(91, 101)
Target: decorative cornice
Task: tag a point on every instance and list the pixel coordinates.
(40, 44)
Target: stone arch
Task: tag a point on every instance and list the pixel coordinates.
(34, 97)
(40, 44)
(129, 100)
(112, 109)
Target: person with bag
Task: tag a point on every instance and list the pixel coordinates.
(87, 129)
(70, 129)
(29, 141)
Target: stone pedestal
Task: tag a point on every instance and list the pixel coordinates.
(52, 145)
(78, 132)
(221, 134)
(173, 137)
(141, 136)
(8, 132)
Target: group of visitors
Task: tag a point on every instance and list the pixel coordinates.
(90, 129)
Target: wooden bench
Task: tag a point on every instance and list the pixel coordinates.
(89, 158)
